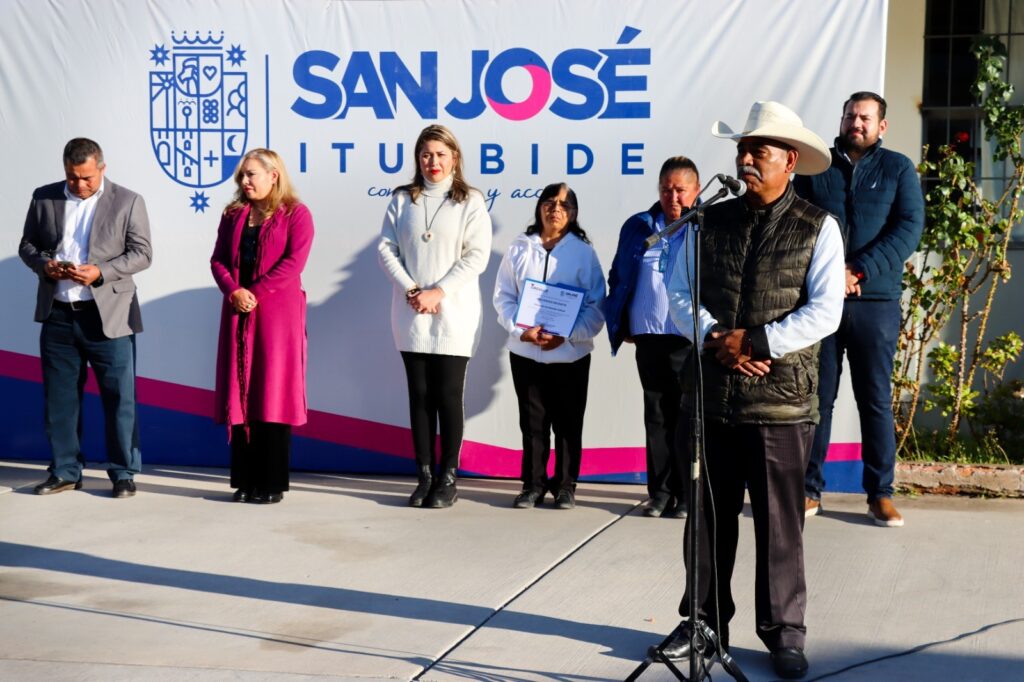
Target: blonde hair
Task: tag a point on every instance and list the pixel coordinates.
(281, 194)
(438, 133)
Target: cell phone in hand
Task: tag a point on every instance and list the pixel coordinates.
(65, 265)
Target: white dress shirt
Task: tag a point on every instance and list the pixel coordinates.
(818, 317)
(74, 245)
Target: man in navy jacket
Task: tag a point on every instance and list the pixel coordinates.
(876, 195)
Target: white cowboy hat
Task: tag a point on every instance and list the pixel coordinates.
(778, 122)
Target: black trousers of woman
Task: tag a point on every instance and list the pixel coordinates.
(260, 462)
(437, 385)
(551, 397)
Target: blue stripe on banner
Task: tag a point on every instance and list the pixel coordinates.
(167, 437)
(844, 477)
(623, 477)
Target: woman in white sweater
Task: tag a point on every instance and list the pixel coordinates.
(550, 372)
(434, 245)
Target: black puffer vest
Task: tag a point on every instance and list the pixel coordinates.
(753, 272)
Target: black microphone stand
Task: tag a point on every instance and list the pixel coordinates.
(705, 646)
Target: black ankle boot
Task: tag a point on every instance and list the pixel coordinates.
(445, 493)
(422, 488)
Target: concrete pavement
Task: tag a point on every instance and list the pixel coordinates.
(343, 581)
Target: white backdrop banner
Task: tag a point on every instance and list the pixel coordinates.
(596, 93)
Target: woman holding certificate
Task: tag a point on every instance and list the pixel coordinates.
(549, 294)
(262, 244)
(434, 245)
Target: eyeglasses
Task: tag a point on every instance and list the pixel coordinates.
(553, 204)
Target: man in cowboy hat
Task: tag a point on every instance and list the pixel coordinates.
(771, 287)
(881, 209)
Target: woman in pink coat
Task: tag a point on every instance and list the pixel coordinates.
(262, 244)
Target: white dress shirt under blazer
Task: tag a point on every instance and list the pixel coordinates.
(74, 246)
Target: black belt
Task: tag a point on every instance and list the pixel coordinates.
(76, 306)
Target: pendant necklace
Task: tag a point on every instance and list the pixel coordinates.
(427, 234)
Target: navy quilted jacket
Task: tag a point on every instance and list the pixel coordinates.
(880, 208)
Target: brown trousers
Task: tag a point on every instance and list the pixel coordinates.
(770, 462)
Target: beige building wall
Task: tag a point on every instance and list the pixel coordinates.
(904, 76)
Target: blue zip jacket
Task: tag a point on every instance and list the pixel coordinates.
(880, 208)
(622, 276)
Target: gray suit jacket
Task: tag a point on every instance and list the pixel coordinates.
(119, 246)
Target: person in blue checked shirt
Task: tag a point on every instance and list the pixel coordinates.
(637, 312)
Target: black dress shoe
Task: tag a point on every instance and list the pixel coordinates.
(676, 511)
(528, 499)
(124, 487)
(566, 499)
(56, 485)
(789, 662)
(656, 507)
(678, 648)
(266, 497)
(445, 493)
(242, 495)
(423, 487)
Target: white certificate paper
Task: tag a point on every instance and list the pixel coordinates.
(554, 307)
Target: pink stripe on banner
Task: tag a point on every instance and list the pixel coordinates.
(357, 433)
(480, 458)
(19, 366)
(162, 394)
(843, 452)
(168, 396)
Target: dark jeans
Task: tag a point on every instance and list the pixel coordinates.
(259, 461)
(437, 385)
(769, 461)
(867, 334)
(551, 396)
(659, 359)
(70, 341)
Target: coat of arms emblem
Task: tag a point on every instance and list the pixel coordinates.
(198, 110)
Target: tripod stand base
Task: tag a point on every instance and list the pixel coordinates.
(705, 649)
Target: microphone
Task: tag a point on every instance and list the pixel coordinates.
(735, 186)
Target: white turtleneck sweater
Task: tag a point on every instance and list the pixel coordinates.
(452, 258)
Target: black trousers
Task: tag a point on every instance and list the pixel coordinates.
(437, 385)
(260, 461)
(551, 396)
(770, 462)
(659, 360)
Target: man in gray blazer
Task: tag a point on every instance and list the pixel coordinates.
(85, 237)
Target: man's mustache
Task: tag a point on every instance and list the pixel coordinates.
(740, 170)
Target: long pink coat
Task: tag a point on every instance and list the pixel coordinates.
(274, 349)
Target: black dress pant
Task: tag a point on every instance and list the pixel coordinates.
(551, 396)
(260, 461)
(659, 360)
(769, 461)
(437, 385)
